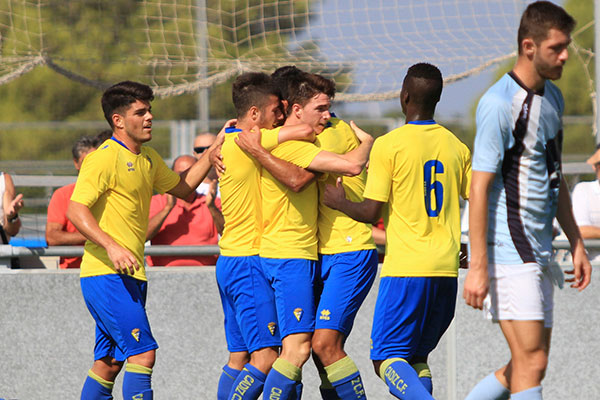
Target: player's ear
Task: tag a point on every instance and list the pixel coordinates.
(254, 113)
(528, 47)
(297, 110)
(117, 120)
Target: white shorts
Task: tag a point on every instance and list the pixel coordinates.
(521, 292)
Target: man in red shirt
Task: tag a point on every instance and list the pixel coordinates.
(59, 230)
(196, 220)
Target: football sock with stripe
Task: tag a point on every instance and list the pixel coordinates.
(228, 376)
(345, 378)
(249, 384)
(534, 393)
(137, 382)
(282, 380)
(489, 388)
(424, 373)
(402, 380)
(95, 387)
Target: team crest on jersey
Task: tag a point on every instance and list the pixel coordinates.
(298, 313)
(325, 314)
(272, 327)
(136, 334)
(130, 166)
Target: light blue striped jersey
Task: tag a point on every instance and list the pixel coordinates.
(519, 138)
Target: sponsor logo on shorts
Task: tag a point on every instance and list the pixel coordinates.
(130, 166)
(139, 396)
(136, 334)
(325, 314)
(298, 313)
(272, 327)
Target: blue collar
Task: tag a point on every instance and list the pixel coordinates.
(423, 122)
(118, 141)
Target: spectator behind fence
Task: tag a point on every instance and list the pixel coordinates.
(201, 143)
(196, 220)
(586, 205)
(9, 208)
(59, 230)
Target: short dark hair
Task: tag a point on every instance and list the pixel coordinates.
(307, 86)
(252, 89)
(83, 144)
(424, 84)
(541, 16)
(284, 76)
(118, 97)
(102, 137)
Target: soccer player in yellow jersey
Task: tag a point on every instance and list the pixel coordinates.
(288, 248)
(251, 327)
(420, 169)
(347, 268)
(110, 206)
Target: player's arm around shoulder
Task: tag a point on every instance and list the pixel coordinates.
(349, 164)
(293, 176)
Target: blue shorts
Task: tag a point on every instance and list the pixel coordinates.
(248, 304)
(118, 305)
(411, 315)
(346, 279)
(293, 280)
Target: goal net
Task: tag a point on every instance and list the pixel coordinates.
(182, 46)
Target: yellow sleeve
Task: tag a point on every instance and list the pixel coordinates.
(165, 178)
(466, 178)
(269, 138)
(379, 177)
(297, 152)
(95, 177)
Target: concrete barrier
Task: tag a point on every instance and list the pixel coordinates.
(46, 340)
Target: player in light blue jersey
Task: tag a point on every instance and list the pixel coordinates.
(517, 189)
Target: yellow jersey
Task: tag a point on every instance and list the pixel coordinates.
(339, 233)
(116, 185)
(420, 170)
(241, 200)
(290, 219)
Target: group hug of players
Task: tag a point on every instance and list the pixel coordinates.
(297, 255)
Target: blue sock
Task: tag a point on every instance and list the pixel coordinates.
(297, 393)
(402, 380)
(345, 378)
(424, 373)
(137, 382)
(249, 384)
(282, 380)
(95, 387)
(534, 393)
(489, 388)
(228, 376)
(326, 388)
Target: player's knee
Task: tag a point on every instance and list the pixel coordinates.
(263, 359)
(146, 359)
(237, 360)
(537, 363)
(326, 349)
(107, 368)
